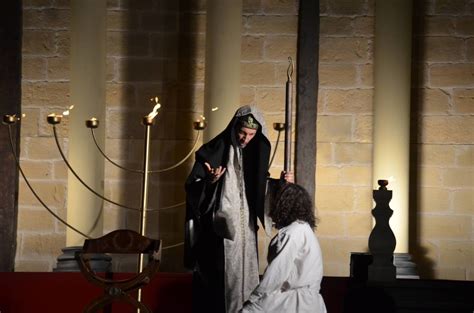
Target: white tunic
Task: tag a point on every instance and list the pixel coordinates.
(292, 279)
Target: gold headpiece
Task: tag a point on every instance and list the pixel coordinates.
(248, 122)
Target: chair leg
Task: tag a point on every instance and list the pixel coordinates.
(96, 305)
(143, 308)
(105, 302)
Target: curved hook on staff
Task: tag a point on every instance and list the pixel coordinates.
(290, 69)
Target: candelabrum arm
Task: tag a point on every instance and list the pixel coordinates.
(274, 150)
(196, 141)
(110, 160)
(82, 181)
(34, 192)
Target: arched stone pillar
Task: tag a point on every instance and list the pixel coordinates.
(223, 51)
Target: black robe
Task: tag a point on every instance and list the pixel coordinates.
(204, 249)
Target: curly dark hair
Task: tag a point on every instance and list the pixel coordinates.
(292, 203)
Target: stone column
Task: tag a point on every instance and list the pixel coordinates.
(392, 74)
(88, 38)
(87, 86)
(392, 108)
(222, 81)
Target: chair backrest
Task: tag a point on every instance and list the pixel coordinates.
(124, 241)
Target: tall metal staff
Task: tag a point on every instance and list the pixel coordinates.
(147, 122)
(288, 115)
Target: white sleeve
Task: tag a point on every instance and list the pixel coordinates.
(283, 250)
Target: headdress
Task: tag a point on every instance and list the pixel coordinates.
(248, 121)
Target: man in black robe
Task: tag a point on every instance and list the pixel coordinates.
(225, 195)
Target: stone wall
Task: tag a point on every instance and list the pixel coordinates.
(443, 137)
(156, 48)
(45, 89)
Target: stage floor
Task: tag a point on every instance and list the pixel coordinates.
(27, 292)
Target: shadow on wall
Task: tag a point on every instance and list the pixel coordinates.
(158, 60)
(419, 253)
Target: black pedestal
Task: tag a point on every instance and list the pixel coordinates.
(67, 261)
(360, 262)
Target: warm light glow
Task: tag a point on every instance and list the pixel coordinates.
(214, 109)
(66, 113)
(55, 115)
(157, 106)
(388, 162)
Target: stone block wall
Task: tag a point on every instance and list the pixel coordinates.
(442, 143)
(344, 131)
(45, 89)
(156, 48)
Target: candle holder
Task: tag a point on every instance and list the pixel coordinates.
(93, 123)
(9, 119)
(279, 126)
(199, 125)
(54, 119)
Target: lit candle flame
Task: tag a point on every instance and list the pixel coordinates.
(203, 118)
(214, 109)
(154, 112)
(66, 113)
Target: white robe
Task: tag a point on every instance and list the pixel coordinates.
(292, 279)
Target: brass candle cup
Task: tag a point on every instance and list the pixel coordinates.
(148, 121)
(279, 126)
(92, 123)
(54, 119)
(9, 119)
(199, 125)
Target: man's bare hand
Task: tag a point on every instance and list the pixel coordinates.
(214, 173)
(288, 176)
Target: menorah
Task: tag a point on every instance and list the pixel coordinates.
(93, 123)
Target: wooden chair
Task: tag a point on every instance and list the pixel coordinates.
(120, 241)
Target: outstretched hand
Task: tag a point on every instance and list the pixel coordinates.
(288, 176)
(214, 173)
